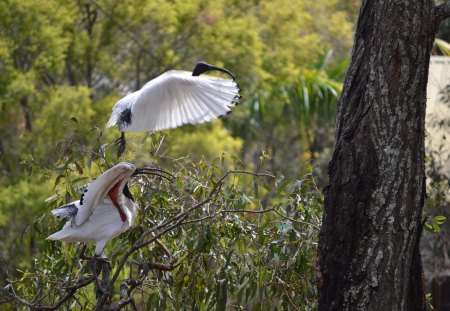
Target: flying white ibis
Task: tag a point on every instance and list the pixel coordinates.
(105, 209)
(173, 99)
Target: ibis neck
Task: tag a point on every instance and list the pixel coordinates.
(127, 193)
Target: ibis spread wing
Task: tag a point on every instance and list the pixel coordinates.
(98, 189)
(92, 195)
(176, 98)
(103, 223)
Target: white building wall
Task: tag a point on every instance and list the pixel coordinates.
(438, 137)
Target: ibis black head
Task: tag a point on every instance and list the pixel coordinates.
(203, 67)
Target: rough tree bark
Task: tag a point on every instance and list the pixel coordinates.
(368, 255)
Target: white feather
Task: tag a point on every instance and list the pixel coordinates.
(98, 219)
(175, 98)
(98, 189)
(67, 211)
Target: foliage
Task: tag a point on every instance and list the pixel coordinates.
(435, 241)
(226, 238)
(442, 47)
(294, 121)
(89, 49)
(203, 142)
(65, 63)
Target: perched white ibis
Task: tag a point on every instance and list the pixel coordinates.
(105, 209)
(173, 99)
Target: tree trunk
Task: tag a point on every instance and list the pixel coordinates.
(368, 254)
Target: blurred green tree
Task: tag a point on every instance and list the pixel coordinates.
(64, 64)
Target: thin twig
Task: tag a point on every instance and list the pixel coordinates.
(296, 220)
(160, 144)
(165, 249)
(248, 211)
(284, 285)
(133, 248)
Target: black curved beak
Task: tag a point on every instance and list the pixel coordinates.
(202, 67)
(154, 172)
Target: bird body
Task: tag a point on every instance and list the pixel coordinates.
(173, 99)
(103, 211)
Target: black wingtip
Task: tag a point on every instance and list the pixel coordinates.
(224, 115)
(237, 100)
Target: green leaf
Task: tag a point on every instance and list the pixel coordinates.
(58, 179)
(440, 219)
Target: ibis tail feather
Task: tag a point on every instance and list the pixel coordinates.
(66, 211)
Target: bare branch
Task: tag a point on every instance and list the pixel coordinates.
(154, 171)
(286, 294)
(164, 248)
(124, 259)
(161, 266)
(120, 304)
(71, 290)
(248, 211)
(442, 12)
(190, 221)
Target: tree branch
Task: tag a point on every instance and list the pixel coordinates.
(165, 249)
(296, 220)
(68, 292)
(168, 225)
(71, 290)
(442, 12)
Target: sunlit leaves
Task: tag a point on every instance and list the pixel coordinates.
(64, 64)
(252, 242)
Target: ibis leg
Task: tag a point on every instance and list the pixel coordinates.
(122, 143)
(100, 265)
(82, 253)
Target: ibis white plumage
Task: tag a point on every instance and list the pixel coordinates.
(173, 99)
(105, 209)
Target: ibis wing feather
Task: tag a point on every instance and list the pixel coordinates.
(89, 199)
(97, 191)
(67, 211)
(176, 98)
(212, 108)
(102, 212)
(104, 223)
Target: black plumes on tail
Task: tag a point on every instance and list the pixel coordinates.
(124, 118)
